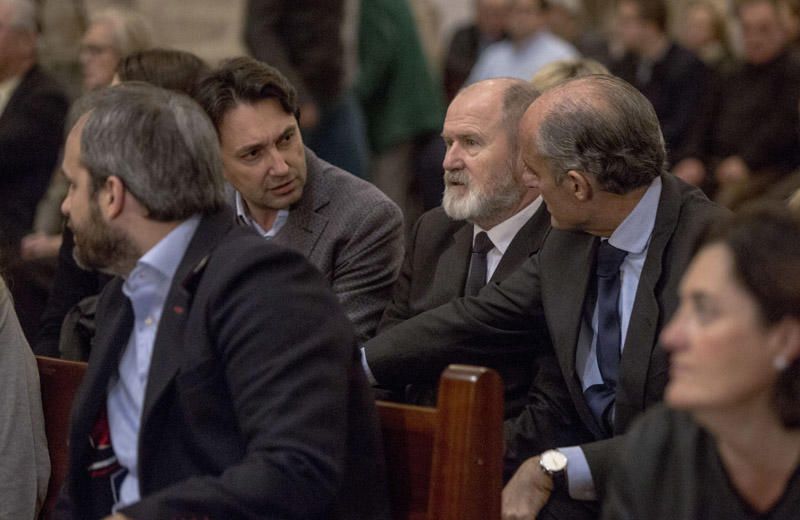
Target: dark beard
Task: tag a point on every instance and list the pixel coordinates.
(99, 247)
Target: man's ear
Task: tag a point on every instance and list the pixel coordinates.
(529, 180)
(579, 185)
(111, 197)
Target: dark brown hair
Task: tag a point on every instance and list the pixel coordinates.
(175, 70)
(654, 11)
(764, 242)
(244, 80)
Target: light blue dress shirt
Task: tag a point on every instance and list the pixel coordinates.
(244, 217)
(632, 235)
(146, 286)
(506, 59)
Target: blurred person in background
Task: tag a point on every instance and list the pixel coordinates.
(748, 133)
(669, 76)
(314, 44)
(468, 41)
(32, 111)
(112, 34)
(530, 45)
(403, 102)
(569, 20)
(560, 71)
(727, 443)
(790, 14)
(704, 31)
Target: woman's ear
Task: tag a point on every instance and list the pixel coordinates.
(785, 342)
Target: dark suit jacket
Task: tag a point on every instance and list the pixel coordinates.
(435, 272)
(256, 404)
(677, 89)
(462, 53)
(278, 32)
(670, 469)
(549, 290)
(31, 129)
(353, 234)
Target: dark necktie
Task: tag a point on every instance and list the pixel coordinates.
(476, 278)
(600, 397)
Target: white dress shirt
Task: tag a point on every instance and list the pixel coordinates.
(146, 286)
(503, 234)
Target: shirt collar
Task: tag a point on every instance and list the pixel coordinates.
(503, 233)
(633, 235)
(7, 88)
(243, 215)
(167, 254)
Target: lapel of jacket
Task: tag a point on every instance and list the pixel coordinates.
(168, 349)
(16, 103)
(305, 225)
(526, 242)
(107, 347)
(565, 286)
(643, 331)
(451, 270)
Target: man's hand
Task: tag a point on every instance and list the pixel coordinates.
(527, 492)
(40, 245)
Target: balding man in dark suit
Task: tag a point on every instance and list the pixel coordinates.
(602, 285)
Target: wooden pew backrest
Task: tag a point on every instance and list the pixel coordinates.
(445, 463)
(59, 380)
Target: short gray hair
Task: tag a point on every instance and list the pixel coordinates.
(609, 131)
(159, 143)
(517, 97)
(130, 30)
(24, 15)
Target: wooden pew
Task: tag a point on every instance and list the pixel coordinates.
(445, 463)
(59, 380)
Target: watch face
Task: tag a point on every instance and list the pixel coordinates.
(554, 461)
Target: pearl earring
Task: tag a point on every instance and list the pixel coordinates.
(780, 363)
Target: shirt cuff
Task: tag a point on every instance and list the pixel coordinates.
(367, 371)
(579, 477)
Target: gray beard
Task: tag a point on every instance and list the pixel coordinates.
(478, 206)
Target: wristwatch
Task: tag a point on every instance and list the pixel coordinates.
(554, 463)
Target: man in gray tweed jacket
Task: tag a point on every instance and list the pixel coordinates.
(345, 226)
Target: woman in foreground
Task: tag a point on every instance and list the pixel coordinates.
(727, 443)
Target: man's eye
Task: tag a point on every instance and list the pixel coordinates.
(251, 155)
(285, 139)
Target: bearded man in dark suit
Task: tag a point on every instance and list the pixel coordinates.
(488, 224)
(223, 381)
